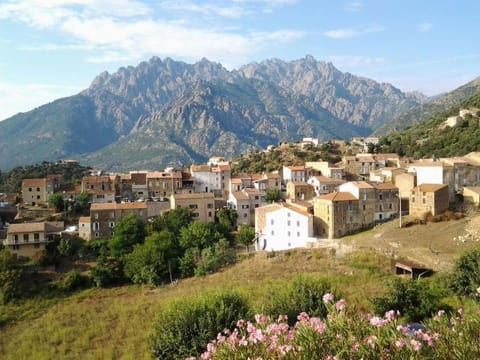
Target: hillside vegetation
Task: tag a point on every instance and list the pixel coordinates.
(433, 138)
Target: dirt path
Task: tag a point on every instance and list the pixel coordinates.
(435, 245)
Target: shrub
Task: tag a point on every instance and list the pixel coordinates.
(303, 294)
(465, 278)
(415, 299)
(74, 280)
(184, 327)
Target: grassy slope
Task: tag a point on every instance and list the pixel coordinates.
(114, 323)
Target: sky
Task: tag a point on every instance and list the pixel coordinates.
(54, 48)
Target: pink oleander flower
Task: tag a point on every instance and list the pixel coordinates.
(282, 318)
(206, 356)
(303, 316)
(240, 323)
(318, 325)
(328, 298)
(417, 345)
(439, 314)
(370, 340)
(378, 322)
(400, 343)
(427, 338)
(191, 358)
(340, 304)
(261, 319)
(391, 315)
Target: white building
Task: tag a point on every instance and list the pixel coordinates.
(282, 227)
(324, 185)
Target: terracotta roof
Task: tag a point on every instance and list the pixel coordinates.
(236, 181)
(337, 196)
(224, 167)
(361, 184)
(26, 227)
(296, 168)
(84, 219)
(429, 187)
(240, 195)
(115, 206)
(33, 182)
(427, 163)
(198, 168)
(327, 179)
(385, 186)
(296, 209)
(96, 179)
(194, 196)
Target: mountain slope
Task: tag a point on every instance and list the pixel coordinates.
(159, 111)
(433, 138)
(429, 109)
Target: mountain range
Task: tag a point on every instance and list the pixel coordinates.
(165, 111)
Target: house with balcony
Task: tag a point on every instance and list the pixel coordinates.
(28, 239)
(299, 191)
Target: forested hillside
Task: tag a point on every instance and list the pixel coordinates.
(433, 138)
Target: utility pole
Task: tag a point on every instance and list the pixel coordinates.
(400, 211)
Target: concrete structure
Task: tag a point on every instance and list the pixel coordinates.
(299, 191)
(28, 239)
(162, 184)
(202, 205)
(282, 227)
(103, 217)
(296, 173)
(85, 228)
(34, 191)
(387, 174)
(214, 179)
(324, 185)
(240, 202)
(365, 194)
(139, 184)
(268, 181)
(471, 196)
(100, 188)
(324, 168)
(429, 198)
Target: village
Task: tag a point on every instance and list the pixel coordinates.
(297, 206)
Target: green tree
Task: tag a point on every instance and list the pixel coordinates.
(465, 278)
(107, 271)
(199, 235)
(246, 235)
(82, 204)
(127, 232)
(56, 201)
(173, 220)
(10, 277)
(273, 195)
(153, 262)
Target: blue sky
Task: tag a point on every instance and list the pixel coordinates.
(55, 48)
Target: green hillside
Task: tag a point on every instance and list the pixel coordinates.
(433, 138)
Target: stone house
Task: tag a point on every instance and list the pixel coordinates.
(386, 201)
(296, 173)
(365, 194)
(103, 217)
(471, 196)
(337, 214)
(100, 188)
(326, 169)
(161, 184)
(202, 205)
(34, 191)
(429, 198)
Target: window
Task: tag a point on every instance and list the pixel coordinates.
(209, 214)
(245, 215)
(38, 197)
(96, 226)
(271, 222)
(209, 206)
(15, 238)
(288, 233)
(97, 235)
(298, 222)
(196, 215)
(273, 232)
(363, 207)
(380, 196)
(29, 189)
(193, 206)
(350, 219)
(298, 233)
(288, 222)
(16, 247)
(36, 246)
(25, 237)
(288, 214)
(111, 224)
(36, 236)
(390, 206)
(95, 216)
(38, 189)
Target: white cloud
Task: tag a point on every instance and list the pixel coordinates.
(15, 97)
(349, 33)
(111, 34)
(205, 9)
(425, 27)
(353, 6)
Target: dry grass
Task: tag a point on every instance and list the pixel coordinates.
(115, 323)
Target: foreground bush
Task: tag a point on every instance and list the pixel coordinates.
(185, 327)
(303, 294)
(346, 334)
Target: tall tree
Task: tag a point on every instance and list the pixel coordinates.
(127, 232)
(246, 235)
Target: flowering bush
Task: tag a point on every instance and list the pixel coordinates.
(346, 334)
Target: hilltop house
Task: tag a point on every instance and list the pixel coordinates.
(429, 198)
(282, 227)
